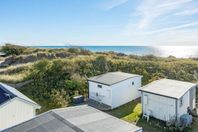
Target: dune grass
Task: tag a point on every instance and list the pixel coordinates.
(15, 74)
(14, 78)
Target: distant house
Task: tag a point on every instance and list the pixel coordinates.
(14, 107)
(75, 119)
(167, 99)
(114, 88)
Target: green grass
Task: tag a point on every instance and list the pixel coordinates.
(131, 112)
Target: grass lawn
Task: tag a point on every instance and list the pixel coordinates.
(131, 112)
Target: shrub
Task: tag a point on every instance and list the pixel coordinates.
(9, 49)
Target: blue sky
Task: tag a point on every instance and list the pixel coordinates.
(99, 22)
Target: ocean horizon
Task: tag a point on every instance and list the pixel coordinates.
(160, 51)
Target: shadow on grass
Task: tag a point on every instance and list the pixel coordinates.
(125, 109)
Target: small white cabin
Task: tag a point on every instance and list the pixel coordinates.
(14, 107)
(114, 88)
(168, 99)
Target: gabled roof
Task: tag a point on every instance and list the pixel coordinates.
(8, 93)
(74, 119)
(111, 78)
(169, 88)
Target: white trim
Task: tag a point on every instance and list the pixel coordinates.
(36, 106)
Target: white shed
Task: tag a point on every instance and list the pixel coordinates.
(14, 107)
(167, 99)
(114, 88)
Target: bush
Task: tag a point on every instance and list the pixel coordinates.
(9, 49)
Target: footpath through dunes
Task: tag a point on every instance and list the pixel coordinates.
(15, 54)
(22, 59)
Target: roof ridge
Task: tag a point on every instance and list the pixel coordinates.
(57, 116)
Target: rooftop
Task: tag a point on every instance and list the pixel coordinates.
(74, 119)
(168, 87)
(8, 92)
(111, 78)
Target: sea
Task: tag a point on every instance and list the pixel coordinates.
(160, 51)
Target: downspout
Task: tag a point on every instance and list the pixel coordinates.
(142, 102)
(176, 110)
(88, 89)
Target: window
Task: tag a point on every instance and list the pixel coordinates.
(181, 102)
(132, 83)
(100, 86)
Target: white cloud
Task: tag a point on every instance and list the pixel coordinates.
(177, 37)
(187, 12)
(114, 3)
(174, 28)
(174, 3)
(185, 34)
(149, 10)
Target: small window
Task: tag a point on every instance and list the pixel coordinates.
(96, 94)
(100, 86)
(181, 102)
(132, 83)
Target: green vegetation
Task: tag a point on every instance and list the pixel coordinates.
(16, 50)
(130, 112)
(57, 80)
(9, 49)
(15, 74)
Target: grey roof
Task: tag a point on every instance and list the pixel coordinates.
(111, 78)
(167, 87)
(14, 93)
(74, 119)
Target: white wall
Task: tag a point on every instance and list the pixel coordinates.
(192, 94)
(15, 112)
(186, 103)
(105, 94)
(162, 108)
(124, 92)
